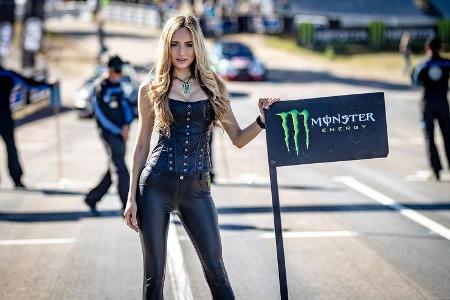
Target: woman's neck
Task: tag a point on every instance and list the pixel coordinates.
(182, 73)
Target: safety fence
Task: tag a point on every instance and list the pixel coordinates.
(376, 36)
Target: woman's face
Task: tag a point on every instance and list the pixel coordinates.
(182, 52)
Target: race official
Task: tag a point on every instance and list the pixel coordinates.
(433, 75)
(113, 115)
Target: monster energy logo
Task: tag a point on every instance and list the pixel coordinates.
(294, 115)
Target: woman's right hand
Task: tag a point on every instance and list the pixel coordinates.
(130, 214)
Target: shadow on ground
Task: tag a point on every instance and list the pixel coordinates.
(55, 216)
(293, 76)
(280, 186)
(236, 227)
(330, 208)
(394, 235)
(234, 95)
(48, 192)
(41, 114)
(77, 215)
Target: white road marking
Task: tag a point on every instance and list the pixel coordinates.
(291, 234)
(406, 141)
(426, 175)
(36, 242)
(312, 234)
(245, 178)
(65, 183)
(175, 265)
(385, 200)
(411, 141)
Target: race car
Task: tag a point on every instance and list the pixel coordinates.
(235, 61)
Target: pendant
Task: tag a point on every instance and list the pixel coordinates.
(186, 88)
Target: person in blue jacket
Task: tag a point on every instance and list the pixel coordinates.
(114, 116)
(433, 75)
(8, 79)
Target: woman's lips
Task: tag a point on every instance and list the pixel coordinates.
(182, 60)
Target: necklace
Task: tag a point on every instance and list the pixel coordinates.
(186, 85)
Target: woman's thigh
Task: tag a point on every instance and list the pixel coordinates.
(199, 216)
(154, 201)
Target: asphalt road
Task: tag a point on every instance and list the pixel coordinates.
(375, 229)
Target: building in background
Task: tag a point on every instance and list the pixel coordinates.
(377, 25)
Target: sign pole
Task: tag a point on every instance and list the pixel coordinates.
(278, 233)
(337, 128)
(56, 103)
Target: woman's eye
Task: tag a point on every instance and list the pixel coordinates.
(189, 45)
(173, 45)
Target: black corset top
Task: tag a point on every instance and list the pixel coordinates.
(186, 149)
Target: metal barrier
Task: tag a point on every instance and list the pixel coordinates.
(130, 13)
(148, 15)
(136, 14)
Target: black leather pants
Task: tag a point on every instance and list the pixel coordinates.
(161, 193)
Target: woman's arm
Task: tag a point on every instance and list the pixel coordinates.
(241, 137)
(140, 152)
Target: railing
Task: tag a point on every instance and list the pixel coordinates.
(148, 15)
(130, 13)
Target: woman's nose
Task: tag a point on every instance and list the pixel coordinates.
(182, 51)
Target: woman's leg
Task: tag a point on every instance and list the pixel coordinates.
(199, 216)
(154, 208)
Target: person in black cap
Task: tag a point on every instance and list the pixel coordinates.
(113, 115)
(433, 75)
(8, 79)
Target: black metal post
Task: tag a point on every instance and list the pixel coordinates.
(278, 233)
(7, 19)
(32, 31)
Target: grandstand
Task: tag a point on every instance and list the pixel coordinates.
(359, 13)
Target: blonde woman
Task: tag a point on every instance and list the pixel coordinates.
(183, 102)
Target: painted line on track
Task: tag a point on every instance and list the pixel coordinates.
(36, 242)
(176, 267)
(426, 175)
(387, 201)
(291, 234)
(312, 234)
(411, 141)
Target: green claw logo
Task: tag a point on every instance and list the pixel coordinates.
(294, 114)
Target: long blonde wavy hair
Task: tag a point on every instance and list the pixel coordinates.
(208, 80)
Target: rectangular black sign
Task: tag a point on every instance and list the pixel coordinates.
(326, 129)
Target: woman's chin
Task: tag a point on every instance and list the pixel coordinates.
(179, 65)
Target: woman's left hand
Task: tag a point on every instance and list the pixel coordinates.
(264, 103)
